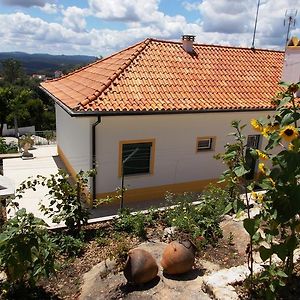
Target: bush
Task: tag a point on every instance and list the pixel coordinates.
(66, 200)
(69, 245)
(131, 223)
(201, 220)
(8, 148)
(26, 251)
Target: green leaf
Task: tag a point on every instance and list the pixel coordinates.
(287, 119)
(284, 101)
(240, 171)
(251, 226)
(282, 274)
(280, 250)
(228, 208)
(264, 253)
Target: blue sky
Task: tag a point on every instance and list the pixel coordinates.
(100, 27)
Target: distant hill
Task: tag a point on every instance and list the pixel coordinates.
(47, 63)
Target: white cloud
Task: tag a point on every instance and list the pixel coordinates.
(225, 22)
(74, 18)
(51, 8)
(232, 21)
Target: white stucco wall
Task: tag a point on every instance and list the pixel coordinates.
(74, 138)
(176, 160)
(291, 66)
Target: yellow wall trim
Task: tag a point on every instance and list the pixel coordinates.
(158, 192)
(67, 164)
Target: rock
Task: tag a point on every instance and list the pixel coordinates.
(3, 276)
(100, 270)
(169, 233)
(140, 266)
(178, 257)
(113, 286)
(234, 232)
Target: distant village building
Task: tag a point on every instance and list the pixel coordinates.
(41, 77)
(58, 74)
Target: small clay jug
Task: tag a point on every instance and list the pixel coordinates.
(140, 266)
(178, 257)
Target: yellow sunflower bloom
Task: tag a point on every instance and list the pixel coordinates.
(262, 168)
(256, 125)
(291, 147)
(262, 155)
(289, 133)
(253, 195)
(260, 198)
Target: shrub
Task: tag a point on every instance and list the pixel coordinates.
(69, 245)
(8, 148)
(26, 251)
(66, 200)
(201, 220)
(131, 223)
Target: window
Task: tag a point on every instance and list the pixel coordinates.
(205, 143)
(136, 157)
(253, 141)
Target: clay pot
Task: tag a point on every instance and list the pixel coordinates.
(140, 267)
(178, 257)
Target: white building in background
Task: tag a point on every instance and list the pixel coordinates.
(165, 109)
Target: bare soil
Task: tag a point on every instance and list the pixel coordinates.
(66, 284)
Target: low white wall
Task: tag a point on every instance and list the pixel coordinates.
(22, 130)
(74, 138)
(176, 159)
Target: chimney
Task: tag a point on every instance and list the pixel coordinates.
(187, 43)
(291, 66)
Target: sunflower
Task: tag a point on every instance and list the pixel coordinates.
(262, 168)
(256, 125)
(254, 195)
(289, 133)
(262, 155)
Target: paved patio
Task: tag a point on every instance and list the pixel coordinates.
(45, 162)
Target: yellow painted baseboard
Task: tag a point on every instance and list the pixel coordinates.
(67, 164)
(158, 192)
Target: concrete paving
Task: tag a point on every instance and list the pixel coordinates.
(45, 162)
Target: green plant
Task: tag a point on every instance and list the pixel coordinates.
(268, 282)
(69, 245)
(26, 251)
(120, 251)
(200, 221)
(274, 230)
(66, 200)
(102, 238)
(131, 223)
(7, 148)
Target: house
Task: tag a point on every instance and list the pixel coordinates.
(58, 74)
(158, 111)
(41, 77)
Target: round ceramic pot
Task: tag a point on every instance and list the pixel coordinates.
(140, 266)
(178, 257)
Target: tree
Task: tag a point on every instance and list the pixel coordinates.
(17, 107)
(6, 95)
(12, 70)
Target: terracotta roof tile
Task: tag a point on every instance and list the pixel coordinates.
(159, 75)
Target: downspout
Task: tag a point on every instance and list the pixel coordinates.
(94, 156)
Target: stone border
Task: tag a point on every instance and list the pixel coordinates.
(220, 284)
